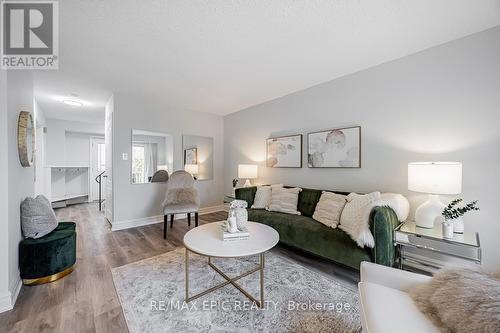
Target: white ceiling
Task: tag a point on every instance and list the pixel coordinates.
(221, 56)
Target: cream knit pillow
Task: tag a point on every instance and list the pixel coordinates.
(329, 208)
(284, 200)
(263, 196)
(353, 219)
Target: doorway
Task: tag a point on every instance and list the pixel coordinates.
(97, 166)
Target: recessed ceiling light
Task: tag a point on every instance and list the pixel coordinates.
(72, 103)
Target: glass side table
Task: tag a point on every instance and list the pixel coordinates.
(425, 250)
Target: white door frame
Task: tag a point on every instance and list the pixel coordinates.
(91, 165)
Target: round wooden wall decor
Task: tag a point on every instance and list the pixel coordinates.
(25, 138)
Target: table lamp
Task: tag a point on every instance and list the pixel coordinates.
(434, 178)
(247, 171)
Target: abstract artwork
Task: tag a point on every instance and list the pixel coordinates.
(336, 148)
(191, 156)
(284, 152)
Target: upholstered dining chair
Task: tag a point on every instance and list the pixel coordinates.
(160, 176)
(181, 198)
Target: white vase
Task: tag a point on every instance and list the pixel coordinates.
(447, 229)
(458, 225)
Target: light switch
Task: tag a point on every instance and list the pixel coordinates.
(124, 156)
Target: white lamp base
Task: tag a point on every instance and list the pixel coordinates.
(426, 213)
(247, 183)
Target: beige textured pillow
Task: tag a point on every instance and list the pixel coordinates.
(353, 219)
(284, 200)
(329, 208)
(460, 300)
(262, 197)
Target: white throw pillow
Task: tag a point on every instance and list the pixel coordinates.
(263, 196)
(329, 208)
(284, 200)
(397, 202)
(353, 219)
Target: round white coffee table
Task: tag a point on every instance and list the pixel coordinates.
(206, 240)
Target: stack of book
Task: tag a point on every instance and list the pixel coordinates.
(230, 236)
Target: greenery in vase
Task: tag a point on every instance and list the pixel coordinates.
(452, 211)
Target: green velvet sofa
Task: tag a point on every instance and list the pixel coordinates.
(309, 235)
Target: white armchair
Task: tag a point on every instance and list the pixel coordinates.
(385, 305)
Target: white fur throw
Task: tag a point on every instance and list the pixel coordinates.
(263, 196)
(460, 300)
(181, 196)
(284, 200)
(37, 217)
(353, 219)
(329, 208)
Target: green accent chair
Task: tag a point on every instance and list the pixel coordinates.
(50, 257)
(305, 233)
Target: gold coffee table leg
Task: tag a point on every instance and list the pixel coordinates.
(261, 280)
(187, 275)
(229, 280)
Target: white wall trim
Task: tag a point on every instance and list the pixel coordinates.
(120, 225)
(17, 290)
(8, 300)
(5, 302)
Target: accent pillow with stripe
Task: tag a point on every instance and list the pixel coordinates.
(284, 200)
(263, 196)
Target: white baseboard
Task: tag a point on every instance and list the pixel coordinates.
(5, 302)
(120, 225)
(8, 300)
(15, 294)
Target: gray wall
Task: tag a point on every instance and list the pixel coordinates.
(139, 201)
(56, 139)
(16, 96)
(4, 196)
(439, 104)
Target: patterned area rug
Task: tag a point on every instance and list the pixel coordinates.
(297, 299)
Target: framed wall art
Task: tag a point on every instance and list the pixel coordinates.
(284, 152)
(335, 148)
(191, 156)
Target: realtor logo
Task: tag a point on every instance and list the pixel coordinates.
(29, 34)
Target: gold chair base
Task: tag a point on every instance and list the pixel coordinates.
(47, 279)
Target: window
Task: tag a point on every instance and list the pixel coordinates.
(101, 157)
(137, 163)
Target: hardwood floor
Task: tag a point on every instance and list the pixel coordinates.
(86, 300)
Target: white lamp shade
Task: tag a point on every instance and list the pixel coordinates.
(247, 171)
(191, 168)
(435, 177)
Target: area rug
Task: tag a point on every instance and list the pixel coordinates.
(297, 299)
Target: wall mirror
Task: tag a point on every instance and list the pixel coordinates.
(198, 156)
(25, 138)
(152, 157)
